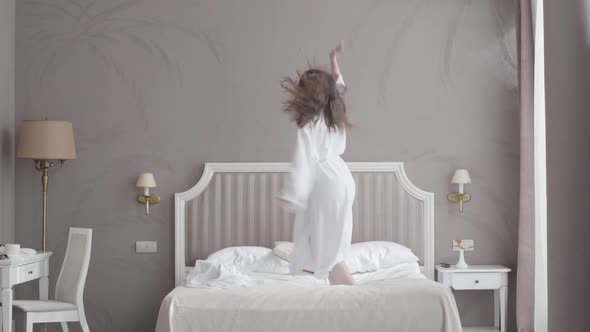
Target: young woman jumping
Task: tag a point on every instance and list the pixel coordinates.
(320, 188)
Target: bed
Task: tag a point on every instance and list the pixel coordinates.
(233, 204)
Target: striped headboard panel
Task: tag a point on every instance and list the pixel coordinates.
(234, 204)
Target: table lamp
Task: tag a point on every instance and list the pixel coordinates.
(47, 143)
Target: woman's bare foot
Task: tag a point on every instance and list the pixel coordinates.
(337, 50)
(285, 204)
(340, 275)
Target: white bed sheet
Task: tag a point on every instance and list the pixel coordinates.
(302, 303)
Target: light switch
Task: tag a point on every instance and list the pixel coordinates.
(467, 245)
(146, 246)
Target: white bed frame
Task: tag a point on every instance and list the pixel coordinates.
(180, 200)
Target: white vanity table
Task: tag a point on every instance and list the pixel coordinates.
(20, 270)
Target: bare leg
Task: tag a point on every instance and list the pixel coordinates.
(340, 275)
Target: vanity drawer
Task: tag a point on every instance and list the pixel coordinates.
(476, 281)
(28, 272)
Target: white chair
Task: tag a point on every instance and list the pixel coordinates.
(68, 305)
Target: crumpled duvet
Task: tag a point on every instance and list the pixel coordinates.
(210, 275)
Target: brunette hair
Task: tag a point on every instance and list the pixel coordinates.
(314, 94)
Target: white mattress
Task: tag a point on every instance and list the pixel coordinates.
(295, 304)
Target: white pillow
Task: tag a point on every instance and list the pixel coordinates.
(364, 256)
(243, 258)
(376, 255)
(283, 249)
(250, 259)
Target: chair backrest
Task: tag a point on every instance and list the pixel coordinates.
(72, 277)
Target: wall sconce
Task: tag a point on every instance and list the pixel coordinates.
(147, 181)
(461, 177)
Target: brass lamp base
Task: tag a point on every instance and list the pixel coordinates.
(44, 166)
(460, 198)
(147, 200)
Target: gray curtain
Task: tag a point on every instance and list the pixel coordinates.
(525, 283)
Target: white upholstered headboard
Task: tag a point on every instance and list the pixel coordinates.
(233, 204)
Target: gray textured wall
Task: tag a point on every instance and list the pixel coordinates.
(165, 86)
(7, 14)
(567, 43)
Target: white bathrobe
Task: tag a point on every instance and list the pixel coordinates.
(322, 189)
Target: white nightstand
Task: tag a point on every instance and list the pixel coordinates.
(481, 277)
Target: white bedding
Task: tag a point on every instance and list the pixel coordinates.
(221, 276)
(408, 303)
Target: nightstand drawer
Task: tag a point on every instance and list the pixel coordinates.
(28, 272)
(476, 280)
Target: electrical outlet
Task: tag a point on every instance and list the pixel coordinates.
(467, 245)
(146, 246)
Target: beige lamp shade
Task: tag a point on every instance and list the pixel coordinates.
(146, 180)
(461, 176)
(46, 140)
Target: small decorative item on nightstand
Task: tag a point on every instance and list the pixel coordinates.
(461, 264)
(481, 277)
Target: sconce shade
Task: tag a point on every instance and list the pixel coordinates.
(146, 180)
(46, 140)
(461, 176)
